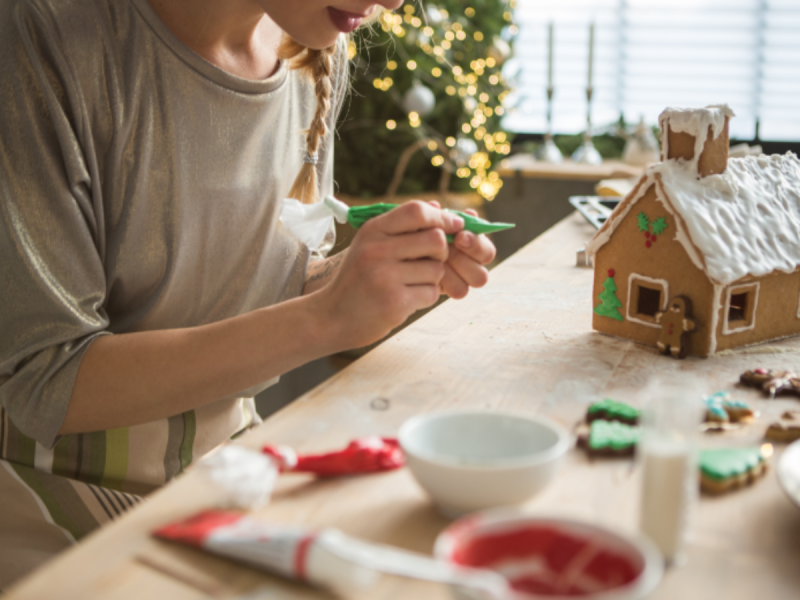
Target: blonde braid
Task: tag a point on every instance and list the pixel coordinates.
(318, 64)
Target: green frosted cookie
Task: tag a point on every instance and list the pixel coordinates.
(611, 410)
(728, 468)
(610, 438)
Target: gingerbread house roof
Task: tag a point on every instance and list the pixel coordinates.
(745, 221)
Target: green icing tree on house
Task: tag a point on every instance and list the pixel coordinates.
(609, 304)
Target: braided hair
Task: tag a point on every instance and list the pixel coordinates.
(318, 64)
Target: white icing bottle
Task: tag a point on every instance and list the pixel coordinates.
(667, 455)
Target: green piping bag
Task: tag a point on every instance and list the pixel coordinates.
(358, 215)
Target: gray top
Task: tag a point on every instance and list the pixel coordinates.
(139, 189)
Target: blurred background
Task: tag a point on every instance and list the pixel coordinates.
(449, 102)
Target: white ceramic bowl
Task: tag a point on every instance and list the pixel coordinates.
(472, 460)
(552, 558)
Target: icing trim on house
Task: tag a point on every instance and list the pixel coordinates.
(664, 298)
(716, 307)
(726, 329)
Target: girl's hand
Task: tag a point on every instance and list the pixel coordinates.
(464, 267)
(394, 267)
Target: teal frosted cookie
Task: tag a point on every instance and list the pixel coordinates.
(609, 438)
(724, 469)
(611, 410)
(720, 408)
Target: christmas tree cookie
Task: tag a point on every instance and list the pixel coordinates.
(724, 469)
(609, 438)
(611, 410)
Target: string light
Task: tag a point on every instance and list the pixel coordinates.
(466, 85)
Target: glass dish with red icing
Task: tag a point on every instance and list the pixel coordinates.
(552, 558)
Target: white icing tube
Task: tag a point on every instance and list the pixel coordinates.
(326, 558)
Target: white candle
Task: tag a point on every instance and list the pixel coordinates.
(550, 56)
(591, 52)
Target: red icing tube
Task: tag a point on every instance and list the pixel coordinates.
(366, 455)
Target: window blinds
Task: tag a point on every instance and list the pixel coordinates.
(650, 54)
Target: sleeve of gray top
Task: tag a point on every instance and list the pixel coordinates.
(52, 282)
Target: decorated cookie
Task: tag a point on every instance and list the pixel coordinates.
(721, 409)
(725, 469)
(611, 410)
(609, 438)
(676, 323)
(785, 430)
(772, 381)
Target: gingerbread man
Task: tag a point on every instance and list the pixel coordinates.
(676, 323)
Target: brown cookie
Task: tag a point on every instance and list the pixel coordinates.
(787, 429)
(772, 381)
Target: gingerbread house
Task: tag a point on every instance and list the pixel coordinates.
(723, 235)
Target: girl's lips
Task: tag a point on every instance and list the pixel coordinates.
(344, 21)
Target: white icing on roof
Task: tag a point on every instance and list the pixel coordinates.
(745, 221)
(694, 121)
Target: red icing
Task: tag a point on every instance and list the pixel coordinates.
(194, 530)
(301, 557)
(653, 238)
(647, 234)
(366, 455)
(647, 243)
(611, 272)
(762, 372)
(606, 569)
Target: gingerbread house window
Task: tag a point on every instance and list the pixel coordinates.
(646, 297)
(740, 308)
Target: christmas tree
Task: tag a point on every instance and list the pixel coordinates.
(427, 74)
(609, 304)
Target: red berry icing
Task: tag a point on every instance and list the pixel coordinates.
(762, 371)
(647, 243)
(611, 272)
(653, 238)
(647, 234)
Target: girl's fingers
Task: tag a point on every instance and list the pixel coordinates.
(467, 269)
(478, 247)
(420, 272)
(416, 216)
(452, 285)
(422, 296)
(428, 243)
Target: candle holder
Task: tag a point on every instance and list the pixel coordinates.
(548, 152)
(587, 154)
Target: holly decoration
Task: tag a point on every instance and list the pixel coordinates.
(609, 304)
(651, 229)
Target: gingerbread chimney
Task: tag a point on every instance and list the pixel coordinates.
(699, 136)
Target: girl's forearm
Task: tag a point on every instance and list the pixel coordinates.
(133, 378)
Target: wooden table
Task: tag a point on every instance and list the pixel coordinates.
(523, 343)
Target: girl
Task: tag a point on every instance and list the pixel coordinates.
(147, 288)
